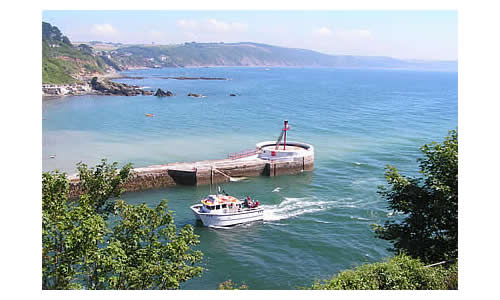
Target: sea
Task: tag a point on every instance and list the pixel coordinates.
(317, 223)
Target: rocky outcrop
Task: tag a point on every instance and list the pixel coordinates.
(107, 87)
(162, 93)
(195, 95)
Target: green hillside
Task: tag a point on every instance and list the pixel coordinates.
(63, 62)
(254, 54)
(220, 54)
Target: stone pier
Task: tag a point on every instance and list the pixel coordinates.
(265, 160)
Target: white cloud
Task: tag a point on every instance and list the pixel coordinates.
(211, 26)
(219, 26)
(343, 34)
(364, 33)
(103, 30)
(323, 31)
(353, 34)
(187, 24)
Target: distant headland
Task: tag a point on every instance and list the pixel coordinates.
(66, 63)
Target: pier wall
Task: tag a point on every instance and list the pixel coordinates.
(206, 172)
(295, 166)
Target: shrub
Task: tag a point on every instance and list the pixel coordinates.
(399, 273)
(230, 285)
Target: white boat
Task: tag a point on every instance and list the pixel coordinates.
(223, 210)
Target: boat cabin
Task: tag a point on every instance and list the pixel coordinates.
(221, 204)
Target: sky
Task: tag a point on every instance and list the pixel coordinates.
(410, 34)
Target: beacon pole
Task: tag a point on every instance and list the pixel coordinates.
(285, 129)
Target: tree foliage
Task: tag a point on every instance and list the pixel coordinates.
(51, 33)
(230, 285)
(87, 245)
(66, 40)
(399, 273)
(426, 208)
(85, 49)
(101, 183)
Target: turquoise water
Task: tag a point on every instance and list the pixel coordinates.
(317, 223)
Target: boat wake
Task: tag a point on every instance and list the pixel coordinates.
(219, 227)
(360, 218)
(292, 207)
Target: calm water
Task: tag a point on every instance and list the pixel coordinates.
(316, 224)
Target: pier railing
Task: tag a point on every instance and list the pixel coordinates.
(241, 154)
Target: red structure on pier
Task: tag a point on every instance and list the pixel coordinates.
(283, 132)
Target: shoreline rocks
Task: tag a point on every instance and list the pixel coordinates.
(108, 87)
(97, 86)
(103, 85)
(195, 95)
(162, 93)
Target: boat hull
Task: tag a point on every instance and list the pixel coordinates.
(229, 219)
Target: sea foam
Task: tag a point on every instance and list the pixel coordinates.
(292, 207)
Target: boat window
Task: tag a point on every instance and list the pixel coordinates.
(217, 207)
(211, 207)
(224, 205)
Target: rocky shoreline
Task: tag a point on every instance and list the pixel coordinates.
(108, 87)
(162, 93)
(103, 85)
(96, 86)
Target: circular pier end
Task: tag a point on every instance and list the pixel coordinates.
(293, 149)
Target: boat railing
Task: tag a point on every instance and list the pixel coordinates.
(243, 153)
(237, 210)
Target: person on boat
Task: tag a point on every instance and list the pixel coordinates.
(248, 202)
